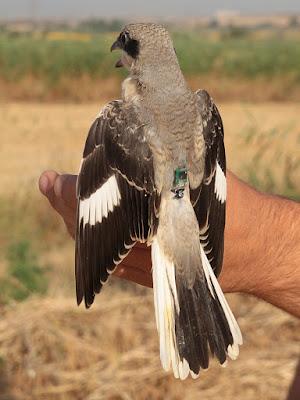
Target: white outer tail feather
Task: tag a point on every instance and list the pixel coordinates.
(166, 302)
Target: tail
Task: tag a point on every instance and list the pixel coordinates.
(192, 315)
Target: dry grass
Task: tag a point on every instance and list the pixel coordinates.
(42, 136)
(263, 137)
(81, 89)
(51, 350)
(87, 89)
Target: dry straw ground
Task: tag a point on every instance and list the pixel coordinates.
(52, 350)
(85, 88)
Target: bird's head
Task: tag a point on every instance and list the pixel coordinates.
(144, 44)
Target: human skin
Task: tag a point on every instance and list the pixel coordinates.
(262, 241)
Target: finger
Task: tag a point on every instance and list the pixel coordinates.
(47, 184)
(65, 189)
(135, 275)
(46, 181)
(136, 266)
(139, 257)
(139, 245)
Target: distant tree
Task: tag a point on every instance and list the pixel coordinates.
(213, 23)
(116, 25)
(235, 32)
(94, 25)
(294, 21)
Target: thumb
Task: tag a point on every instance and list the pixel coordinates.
(46, 186)
(60, 190)
(65, 189)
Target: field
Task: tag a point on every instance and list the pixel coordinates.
(49, 348)
(71, 67)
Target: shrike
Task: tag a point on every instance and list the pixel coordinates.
(153, 170)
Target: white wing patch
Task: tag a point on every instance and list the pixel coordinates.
(220, 184)
(166, 304)
(100, 203)
(214, 287)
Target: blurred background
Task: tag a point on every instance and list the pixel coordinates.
(56, 73)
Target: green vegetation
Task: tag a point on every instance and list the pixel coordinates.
(24, 274)
(239, 57)
(53, 60)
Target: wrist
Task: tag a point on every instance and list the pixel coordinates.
(261, 246)
(240, 252)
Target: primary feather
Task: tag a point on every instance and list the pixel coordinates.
(154, 170)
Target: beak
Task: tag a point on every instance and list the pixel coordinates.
(115, 46)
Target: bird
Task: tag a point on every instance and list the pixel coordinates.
(154, 171)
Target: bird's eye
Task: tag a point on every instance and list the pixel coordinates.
(123, 38)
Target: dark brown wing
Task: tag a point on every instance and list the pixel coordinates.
(117, 198)
(210, 205)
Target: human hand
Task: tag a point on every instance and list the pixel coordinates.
(136, 267)
(260, 258)
(61, 193)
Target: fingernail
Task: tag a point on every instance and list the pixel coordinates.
(43, 183)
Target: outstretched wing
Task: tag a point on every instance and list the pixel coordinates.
(117, 199)
(209, 206)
